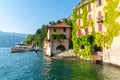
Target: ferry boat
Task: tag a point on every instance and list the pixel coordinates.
(22, 48)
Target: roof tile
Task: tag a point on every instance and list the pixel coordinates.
(59, 25)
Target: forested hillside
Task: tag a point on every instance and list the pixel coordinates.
(37, 39)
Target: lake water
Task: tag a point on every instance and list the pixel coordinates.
(32, 66)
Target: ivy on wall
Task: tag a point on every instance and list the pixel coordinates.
(58, 37)
(85, 41)
(85, 44)
(101, 39)
(111, 15)
(113, 28)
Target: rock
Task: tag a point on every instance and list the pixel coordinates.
(65, 54)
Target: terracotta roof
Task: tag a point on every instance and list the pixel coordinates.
(61, 25)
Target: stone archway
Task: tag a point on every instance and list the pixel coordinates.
(60, 47)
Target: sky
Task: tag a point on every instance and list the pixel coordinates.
(26, 16)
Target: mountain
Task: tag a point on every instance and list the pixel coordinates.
(8, 39)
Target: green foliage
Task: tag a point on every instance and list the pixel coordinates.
(58, 37)
(101, 39)
(84, 16)
(86, 40)
(38, 38)
(29, 39)
(66, 21)
(52, 23)
(113, 28)
(111, 15)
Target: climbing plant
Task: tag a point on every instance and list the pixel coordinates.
(113, 28)
(101, 39)
(84, 40)
(85, 44)
(58, 37)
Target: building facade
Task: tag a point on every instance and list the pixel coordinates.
(58, 38)
(95, 22)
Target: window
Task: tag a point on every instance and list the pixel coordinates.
(100, 17)
(78, 22)
(99, 27)
(86, 31)
(64, 29)
(99, 14)
(54, 38)
(64, 36)
(79, 32)
(82, 46)
(89, 17)
(89, 7)
(54, 30)
(78, 12)
(99, 2)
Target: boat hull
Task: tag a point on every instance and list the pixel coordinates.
(14, 50)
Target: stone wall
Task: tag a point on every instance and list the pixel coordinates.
(64, 42)
(112, 55)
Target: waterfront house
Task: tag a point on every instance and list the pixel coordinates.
(58, 39)
(96, 22)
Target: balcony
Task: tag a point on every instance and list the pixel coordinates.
(100, 19)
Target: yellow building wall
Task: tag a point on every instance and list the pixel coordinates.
(97, 9)
(94, 16)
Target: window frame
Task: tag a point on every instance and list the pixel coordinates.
(79, 22)
(100, 27)
(99, 3)
(86, 30)
(89, 7)
(89, 17)
(64, 29)
(54, 30)
(79, 32)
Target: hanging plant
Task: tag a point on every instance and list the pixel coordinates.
(58, 37)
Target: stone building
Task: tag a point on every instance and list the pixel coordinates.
(58, 39)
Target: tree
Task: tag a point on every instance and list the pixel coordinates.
(38, 38)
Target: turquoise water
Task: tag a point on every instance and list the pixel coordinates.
(32, 66)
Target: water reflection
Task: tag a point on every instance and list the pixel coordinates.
(32, 66)
(107, 72)
(64, 69)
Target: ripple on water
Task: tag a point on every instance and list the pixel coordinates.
(32, 66)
